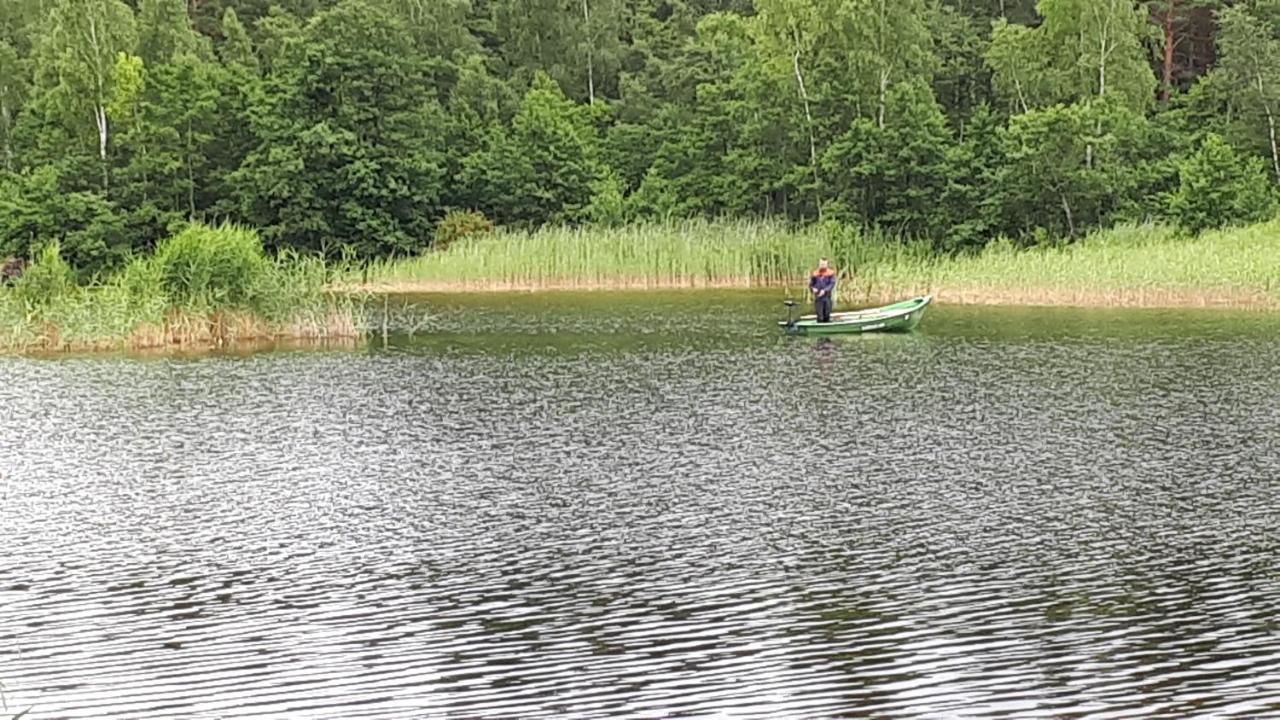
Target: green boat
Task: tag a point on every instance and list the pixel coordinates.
(900, 317)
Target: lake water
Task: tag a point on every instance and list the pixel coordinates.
(653, 506)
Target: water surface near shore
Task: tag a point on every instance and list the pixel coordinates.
(652, 504)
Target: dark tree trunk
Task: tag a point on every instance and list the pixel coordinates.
(1170, 42)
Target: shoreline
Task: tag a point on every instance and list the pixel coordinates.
(1178, 298)
(184, 333)
(198, 334)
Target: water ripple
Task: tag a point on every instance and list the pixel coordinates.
(958, 523)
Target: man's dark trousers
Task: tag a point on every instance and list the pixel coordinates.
(822, 305)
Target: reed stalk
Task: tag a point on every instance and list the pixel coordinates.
(205, 288)
(1129, 265)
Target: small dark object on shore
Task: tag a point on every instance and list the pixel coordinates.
(12, 269)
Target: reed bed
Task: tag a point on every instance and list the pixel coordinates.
(1130, 265)
(683, 255)
(204, 288)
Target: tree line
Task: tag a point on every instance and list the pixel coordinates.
(356, 126)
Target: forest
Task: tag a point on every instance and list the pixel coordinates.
(355, 128)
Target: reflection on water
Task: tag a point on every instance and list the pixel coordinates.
(541, 506)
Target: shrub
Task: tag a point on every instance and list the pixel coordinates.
(459, 224)
(1218, 187)
(608, 203)
(46, 279)
(209, 267)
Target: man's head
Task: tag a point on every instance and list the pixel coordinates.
(822, 264)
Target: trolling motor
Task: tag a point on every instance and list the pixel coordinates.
(791, 312)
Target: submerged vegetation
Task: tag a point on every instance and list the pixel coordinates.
(204, 287)
(1146, 264)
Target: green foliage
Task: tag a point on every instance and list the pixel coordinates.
(1082, 49)
(237, 47)
(345, 142)
(974, 197)
(205, 266)
(45, 279)
(13, 90)
(458, 225)
(355, 125)
(36, 208)
(577, 44)
(894, 175)
(74, 63)
(1250, 66)
(543, 167)
(1218, 187)
(1072, 167)
(205, 285)
(608, 204)
(1131, 263)
(164, 31)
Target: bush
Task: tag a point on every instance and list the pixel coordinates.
(608, 203)
(46, 279)
(459, 224)
(90, 229)
(1219, 187)
(209, 267)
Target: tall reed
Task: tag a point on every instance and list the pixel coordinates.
(204, 287)
(693, 253)
(1145, 264)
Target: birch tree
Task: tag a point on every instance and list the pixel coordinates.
(576, 42)
(852, 51)
(1083, 49)
(844, 56)
(602, 22)
(12, 92)
(1098, 43)
(75, 64)
(1250, 60)
(438, 26)
(1018, 62)
(794, 33)
(901, 43)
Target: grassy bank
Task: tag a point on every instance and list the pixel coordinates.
(1140, 265)
(203, 288)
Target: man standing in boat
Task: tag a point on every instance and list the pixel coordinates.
(823, 286)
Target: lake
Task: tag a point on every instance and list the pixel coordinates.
(652, 505)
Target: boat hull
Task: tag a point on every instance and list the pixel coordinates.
(899, 317)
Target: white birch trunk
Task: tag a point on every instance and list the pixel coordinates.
(808, 117)
(1271, 134)
(4, 125)
(884, 64)
(1022, 98)
(1066, 209)
(884, 92)
(100, 86)
(591, 70)
(100, 96)
(1271, 124)
(191, 176)
(1103, 53)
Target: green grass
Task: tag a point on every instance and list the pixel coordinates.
(204, 287)
(1127, 265)
(212, 286)
(692, 253)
